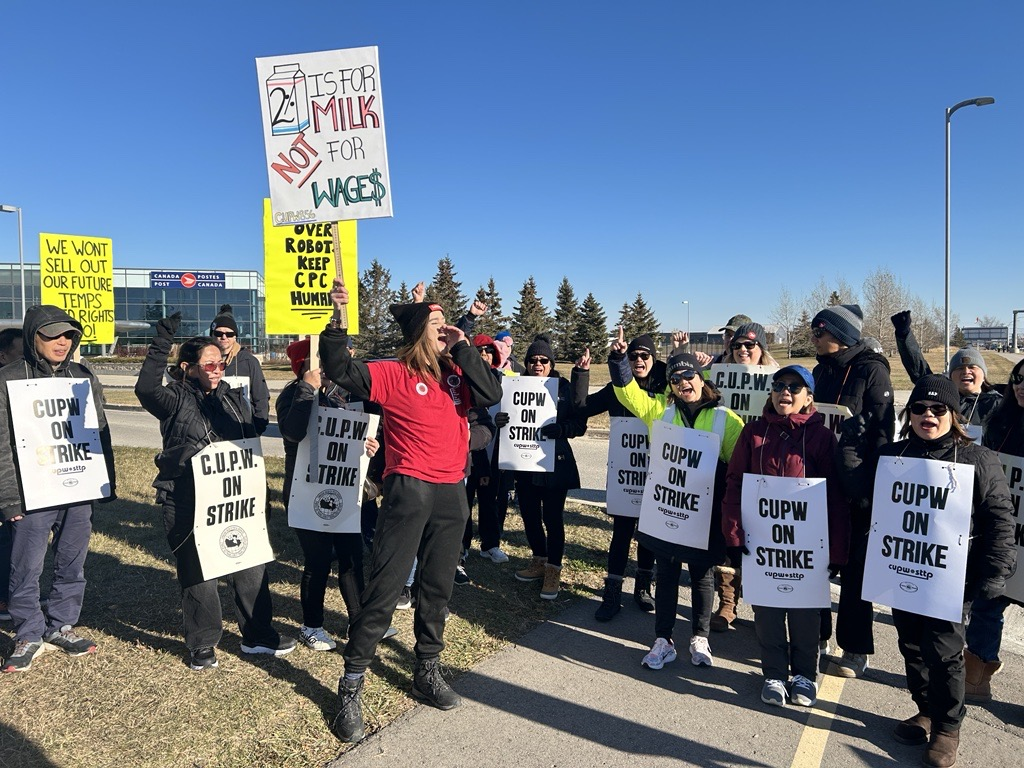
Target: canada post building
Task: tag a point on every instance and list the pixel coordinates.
(146, 295)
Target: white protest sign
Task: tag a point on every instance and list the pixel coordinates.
(680, 485)
(530, 402)
(920, 527)
(326, 495)
(744, 388)
(834, 415)
(628, 447)
(57, 436)
(785, 520)
(1013, 466)
(975, 432)
(231, 496)
(323, 127)
(242, 383)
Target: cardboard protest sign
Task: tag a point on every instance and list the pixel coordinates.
(77, 274)
(920, 528)
(628, 446)
(326, 494)
(530, 402)
(680, 485)
(323, 126)
(57, 436)
(231, 519)
(834, 415)
(744, 388)
(300, 265)
(1013, 466)
(785, 521)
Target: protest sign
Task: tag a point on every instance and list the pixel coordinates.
(57, 437)
(77, 274)
(1013, 466)
(530, 402)
(920, 528)
(785, 521)
(744, 388)
(834, 415)
(323, 127)
(680, 485)
(300, 265)
(628, 445)
(230, 519)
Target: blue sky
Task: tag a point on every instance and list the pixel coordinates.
(712, 152)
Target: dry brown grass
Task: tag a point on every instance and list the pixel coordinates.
(136, 702)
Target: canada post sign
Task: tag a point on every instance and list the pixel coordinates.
(186, 280)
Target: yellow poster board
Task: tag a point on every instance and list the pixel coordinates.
(77, 275)
(299, 264)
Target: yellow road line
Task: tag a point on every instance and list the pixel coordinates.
(811, 748)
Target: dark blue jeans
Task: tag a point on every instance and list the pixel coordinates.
(985, 630)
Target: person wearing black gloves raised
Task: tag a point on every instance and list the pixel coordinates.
(933, 648)
(242, 366)
(425, 395)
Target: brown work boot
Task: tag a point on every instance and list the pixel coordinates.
(552, 577)
(978, 683)
(914, 730)
(534, 571)
(942, 748)
(727, 583)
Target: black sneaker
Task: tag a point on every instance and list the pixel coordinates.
(280, 647)
(203, 658)
(25, 653)
(69, 641)
(348, 725)
(429, 686)
(461, 577)
(405, 600)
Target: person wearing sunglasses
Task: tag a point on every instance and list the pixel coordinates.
(195, 409)
(932, 649)
(749, 346)
(649, 374)
(790, 439)
(242, 364)
(727, 331)
(696, 404)
(850, 374)
(50, 337)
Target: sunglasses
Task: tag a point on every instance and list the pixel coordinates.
(634, 356)
(818, 332)
(743, 344)
(486, 350)
(937, 409)
(675, 378)
(1016, 378)
(539, 361)
(211, 367)
(69, 335)
(225, 334)
(781, 386)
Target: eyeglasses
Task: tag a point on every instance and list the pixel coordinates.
(743, 344)
(225, 334)
(675, 378)
(634, 356)
(538, 361)
(211, 367)
(818, 332)
(937, 409)
(1016, 378)
(781, 386)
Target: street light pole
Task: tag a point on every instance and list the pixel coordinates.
(21, 251)
(982, 101)
(687, 318)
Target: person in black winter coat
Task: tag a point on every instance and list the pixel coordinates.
(242, 364)
(932, 648)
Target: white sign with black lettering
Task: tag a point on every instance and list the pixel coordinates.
(242, 383)
(1013, 466)
(785, 521)
(530, 402)
(744, 388)
(920, 528)
(680, 486)
(57, 436)
(628, 456)
(231, 496)
(834, 415)
(326, 495)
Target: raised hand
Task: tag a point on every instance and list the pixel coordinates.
(584, 362)
(619, 346)
(477, 308)
(339, 294)
(418, 292)
(680, 339)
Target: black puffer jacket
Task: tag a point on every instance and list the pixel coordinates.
(242, 362)
(31, 366)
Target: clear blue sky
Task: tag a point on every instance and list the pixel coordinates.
(703, 151)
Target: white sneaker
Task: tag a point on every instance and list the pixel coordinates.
(774, 692)
(494, 554)
(316, 639)
(662, 652)
(700, 652)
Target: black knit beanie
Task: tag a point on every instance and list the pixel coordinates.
(540, 347)
(844, 321)
(941, 389)
(224, 319)
(642, 343)
(412, 317)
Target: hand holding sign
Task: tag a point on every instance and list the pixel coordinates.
(619, 346)
(501, 419)
(312, 377)
(339, 294)
(584, 362)
(372, 446)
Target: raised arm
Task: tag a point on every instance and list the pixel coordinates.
(149, 388)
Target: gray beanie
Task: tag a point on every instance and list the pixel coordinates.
(967, 356)
(843, 321)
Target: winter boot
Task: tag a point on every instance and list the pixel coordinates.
(534, 571)
(727, 581)
(429, 686)
(611, 601)
(978, 683)
(642, 590)
(552, 582)
(942, 749)
(914, 730)
(348, 725)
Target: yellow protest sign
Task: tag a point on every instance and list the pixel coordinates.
(77, 275)
(299, 264)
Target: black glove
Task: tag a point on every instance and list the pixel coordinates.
(500, 419)
(852, 431)
(551, 431)
(833, 570)
(736, 555)
(901, 322)
(168, 326)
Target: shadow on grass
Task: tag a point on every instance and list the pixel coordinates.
(17, 749)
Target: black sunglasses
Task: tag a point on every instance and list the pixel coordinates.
(1016, 378)
(538, 361)
(69, 335)
(487, 350)
(225, 334)
(675, 378)
(633, 356)
(743, 344)
(781, 386)
(920, 409)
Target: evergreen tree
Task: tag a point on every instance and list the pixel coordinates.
(493, 320)
(378, 333)
(800, 337)
(626, 321)
(640, 319)
(592, 330)
(447, 291)
(403, 295)
(567, 317)
(529, 317)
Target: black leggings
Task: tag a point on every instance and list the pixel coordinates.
(319, 549)
(623, 529)
(542, 509)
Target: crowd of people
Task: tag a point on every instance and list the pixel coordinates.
(436, 456)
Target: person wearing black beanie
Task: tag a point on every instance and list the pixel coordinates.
(243, 370)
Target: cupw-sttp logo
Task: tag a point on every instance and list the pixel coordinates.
(328, 504)
(233, 541)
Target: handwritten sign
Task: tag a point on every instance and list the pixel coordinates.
(785, 520)
(530, 402)
(231, 495)
(628, 447)
(744, 388)
(1013, 466)
(77, 274)
(920, 528)
(323, 126)
(57, 436)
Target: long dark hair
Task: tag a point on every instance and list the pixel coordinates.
(1007, 415)
(189, 352)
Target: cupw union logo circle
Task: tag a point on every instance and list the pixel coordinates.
(233, 541)
(421, 388)
(328, 504)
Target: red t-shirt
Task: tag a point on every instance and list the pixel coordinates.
(425, 428)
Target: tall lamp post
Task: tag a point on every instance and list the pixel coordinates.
(21, 251)
(687, 318)
(982, 101)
